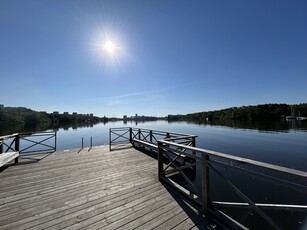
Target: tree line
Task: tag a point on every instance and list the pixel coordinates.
(21, 115)
(28, 117)
(251, 113)
(247, 113)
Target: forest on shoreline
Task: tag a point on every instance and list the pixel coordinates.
(247, 113)
(28, 117)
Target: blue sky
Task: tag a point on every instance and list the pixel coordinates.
(172, 57)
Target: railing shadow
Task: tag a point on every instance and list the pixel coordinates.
(199, 220)
(149, 152)
(121, 147)
(24, 160)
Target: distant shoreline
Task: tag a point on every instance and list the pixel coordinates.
(247, 113)
(28, 117)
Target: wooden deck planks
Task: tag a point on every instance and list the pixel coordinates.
(90, 190)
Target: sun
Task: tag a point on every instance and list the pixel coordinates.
(110, 47)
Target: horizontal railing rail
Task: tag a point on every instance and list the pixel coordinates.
(211, 162)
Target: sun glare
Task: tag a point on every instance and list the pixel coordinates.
(110, 47)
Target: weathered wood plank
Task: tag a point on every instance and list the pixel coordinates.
(154, 222)
(92, 217)
(7, 157)
(72, 215)
(115, 216)
(72, 179)
(96, 189)
(80, 171)
(39, 204)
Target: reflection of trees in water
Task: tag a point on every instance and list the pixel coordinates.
(7, 129)
(19, 128)
(268, 126)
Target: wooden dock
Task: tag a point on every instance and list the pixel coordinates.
(94, 189)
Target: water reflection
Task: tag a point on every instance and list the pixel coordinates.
(7, 129)
(262, 126)
(266, 126)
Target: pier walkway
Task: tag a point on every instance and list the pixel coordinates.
(94, 189)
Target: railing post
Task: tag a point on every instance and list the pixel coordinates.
(150, 136)
(160, 159)
(193, 144)
(205, 183)
(91, 142)
(1, 146)
(139, 134)
(55, 141)
(110, 140)
(193, 141)
(130, 135)
(17, 145)
(82, 143)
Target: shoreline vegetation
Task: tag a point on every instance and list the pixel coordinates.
(264, 112)
(27, 118)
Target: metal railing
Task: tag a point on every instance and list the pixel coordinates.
(219, 166)
(29, 143)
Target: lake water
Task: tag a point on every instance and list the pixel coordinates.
(283, 144)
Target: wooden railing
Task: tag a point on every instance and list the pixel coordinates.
(120, 137)
(28, 143)
(220, 165)
(35, 143)
(9, 145)
(200, 174)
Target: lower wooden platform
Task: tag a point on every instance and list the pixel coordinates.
(94, 189)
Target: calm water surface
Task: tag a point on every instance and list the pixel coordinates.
(283, 143)
(286, 146)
